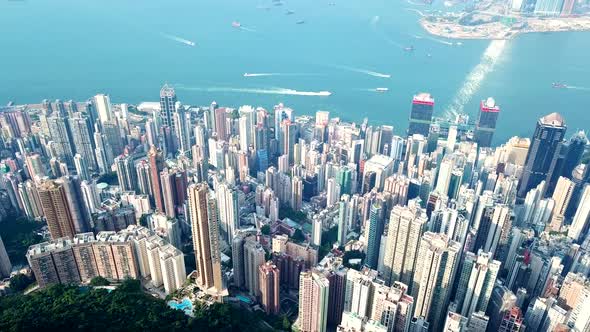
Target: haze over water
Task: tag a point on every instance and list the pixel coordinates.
(69, 49)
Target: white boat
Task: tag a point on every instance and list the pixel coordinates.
(382, 89)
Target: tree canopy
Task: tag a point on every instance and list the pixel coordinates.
(127, 308)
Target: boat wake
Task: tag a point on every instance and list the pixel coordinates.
(416, 11)
(374, 22)
(578, 88)
(178, 39)
(273, 91)
(278, 74)
(436, 40)
(477, 75)
(364, 71)
(247, 29)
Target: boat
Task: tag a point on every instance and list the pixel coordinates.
(300, 22)
(559, 85)
(409, 48)
(189, 43)
(429, 55)
(459, 43)
(382, 89)
(290, 12)
(236, 24)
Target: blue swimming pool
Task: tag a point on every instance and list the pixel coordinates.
(186, 305)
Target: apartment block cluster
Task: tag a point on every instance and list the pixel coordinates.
(425, 228)
(133, 253)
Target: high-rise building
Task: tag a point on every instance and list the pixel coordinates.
(102, 105)
(229, 210)
(167, 106)
(581, 221)
(493, 223)
(269, 279)
(52, 196)
(476, 282)
(486, 123)
(433, 277)
(156, 166)
(406, 225)
(126, 174)
(542, 154)
(375, 230)
(421, 114)
(561, 196)
(62, 143)
(82, 140)
(5, 265)
(313, 302)
(205, 228)
(254, 257)
(512, 321)
(548, 7)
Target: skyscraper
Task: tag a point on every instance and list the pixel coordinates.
(486, 123)
(167, 106)
(581, 221)
(205, 228)
(55, 209)
(476, 282)
(156, 165)
(269, 279)
(406, 225)
(421, 114)
(313, 302)
(254, 256)
(542, 154)
(435, 268)
(375, 230)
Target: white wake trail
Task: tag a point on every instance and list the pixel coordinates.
(364, 71)
(276, 91)
(578, 88)
(178, 39)
(477, 75)
(278, 74)
(247, 29)
(374, 22)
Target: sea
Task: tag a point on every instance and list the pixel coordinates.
(295, 52)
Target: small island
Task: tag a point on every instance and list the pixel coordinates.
(501, 20)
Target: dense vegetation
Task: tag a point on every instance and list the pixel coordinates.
(127, 308)
(20, 282)
(297, 216)
(18, 234)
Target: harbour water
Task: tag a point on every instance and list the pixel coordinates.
(335, 61)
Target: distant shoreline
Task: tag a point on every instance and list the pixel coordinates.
(447, 28)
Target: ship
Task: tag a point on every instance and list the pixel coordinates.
(300, 22)
(236, 24)
(382, 89)
(189, 43)
(409, 48)
(290, 12)
(559, 85)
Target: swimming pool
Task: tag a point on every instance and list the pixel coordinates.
(186, 305)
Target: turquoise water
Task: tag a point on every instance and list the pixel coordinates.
(186, 306)
(69, 49)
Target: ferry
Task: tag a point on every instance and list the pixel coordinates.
(382, 89)
(236, 24)
(559, 86)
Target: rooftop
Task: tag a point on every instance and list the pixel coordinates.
(553, 119)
